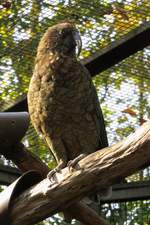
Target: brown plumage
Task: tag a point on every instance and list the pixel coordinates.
(62, 100)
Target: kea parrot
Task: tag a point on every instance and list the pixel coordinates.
(62, 100)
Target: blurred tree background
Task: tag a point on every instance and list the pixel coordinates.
(123, 89)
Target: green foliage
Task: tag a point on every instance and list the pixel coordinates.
(54, 220)
(123, 89)
(131, 213)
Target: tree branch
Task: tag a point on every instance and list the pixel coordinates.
(102, 168)
(26, 160)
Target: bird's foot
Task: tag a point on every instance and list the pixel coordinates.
(52, 174)
(72, 164)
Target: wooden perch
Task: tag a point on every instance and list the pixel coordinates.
(25, 160)
(95, 172)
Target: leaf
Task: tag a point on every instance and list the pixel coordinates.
(122, 12)
(130, 111)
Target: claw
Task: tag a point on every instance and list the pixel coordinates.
(73, 164)
(52, 175)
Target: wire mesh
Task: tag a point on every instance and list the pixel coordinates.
(123, 89)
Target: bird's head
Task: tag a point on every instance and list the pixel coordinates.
(63, 39)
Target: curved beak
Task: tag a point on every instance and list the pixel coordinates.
(78, 41)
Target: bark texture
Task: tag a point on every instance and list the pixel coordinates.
(97, 171)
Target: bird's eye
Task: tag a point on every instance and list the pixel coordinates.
(61, 32)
